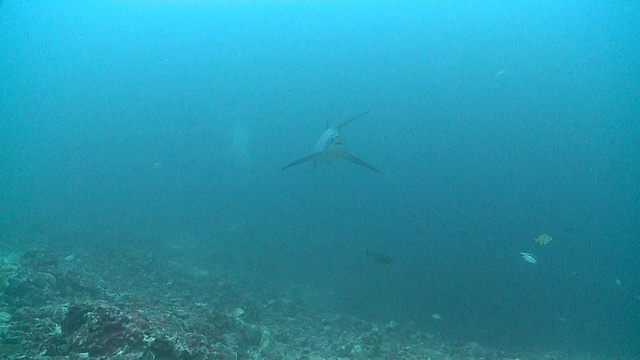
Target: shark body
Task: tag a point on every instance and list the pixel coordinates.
(332, 145)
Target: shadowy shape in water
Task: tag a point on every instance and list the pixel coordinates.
(381, 258)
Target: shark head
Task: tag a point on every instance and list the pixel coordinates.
(333, 145)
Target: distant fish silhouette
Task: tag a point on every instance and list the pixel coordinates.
(382, 258)
(332, 145)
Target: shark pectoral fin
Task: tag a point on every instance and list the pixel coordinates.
(311, 157)
(357, 161)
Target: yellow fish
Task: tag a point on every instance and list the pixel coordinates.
(543, 239)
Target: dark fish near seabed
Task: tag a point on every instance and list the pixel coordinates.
(381, 258)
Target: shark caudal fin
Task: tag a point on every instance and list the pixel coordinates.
(355, 160)
(348, 121)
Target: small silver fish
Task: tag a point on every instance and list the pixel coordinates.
(529, 258)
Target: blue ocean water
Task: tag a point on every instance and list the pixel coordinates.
(166, 124)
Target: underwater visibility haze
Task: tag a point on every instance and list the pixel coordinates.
(506, 136)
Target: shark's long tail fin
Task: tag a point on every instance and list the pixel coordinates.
(348, 121)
